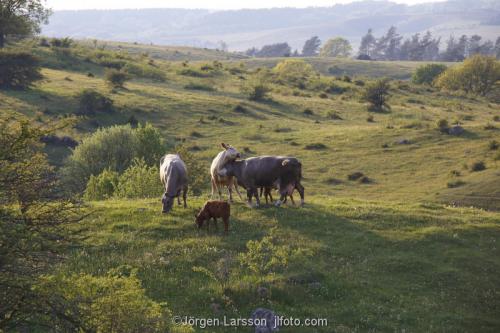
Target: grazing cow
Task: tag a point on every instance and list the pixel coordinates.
(266, 171)
(228, 154)
(214, 210)
(174, 176)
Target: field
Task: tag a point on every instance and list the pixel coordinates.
(413, 248)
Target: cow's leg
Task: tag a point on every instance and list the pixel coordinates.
(184, 195)
(256, 193)
(249, 197)
(270, 195)
(281, 200)
(230, 192)
(236, 189)
(214, 188)
(300, 188)
(291, 198)
(179, 199)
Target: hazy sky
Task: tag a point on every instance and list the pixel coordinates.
(210, 4)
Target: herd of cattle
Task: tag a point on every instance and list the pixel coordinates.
(229, 170)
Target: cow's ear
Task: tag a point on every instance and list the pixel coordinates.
(224, 145)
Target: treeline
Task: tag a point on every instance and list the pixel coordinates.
(390, 46)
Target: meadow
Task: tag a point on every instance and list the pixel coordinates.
(412, 248)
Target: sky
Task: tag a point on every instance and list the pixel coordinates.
(206, 4)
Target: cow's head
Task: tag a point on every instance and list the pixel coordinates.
(199, 218)
(231, 153)
(167, 202)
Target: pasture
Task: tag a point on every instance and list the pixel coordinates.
(411, 245)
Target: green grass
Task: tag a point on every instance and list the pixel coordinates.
(374, 266)
(389, 255)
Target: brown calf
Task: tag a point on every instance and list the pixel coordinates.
(214, 209)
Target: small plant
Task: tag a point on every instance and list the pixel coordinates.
(333, 115)
(323, 95)
(355, 175)
(91, 101)
(315, 146)
(370, 119)
(490, 127)
(196, 134)
(478, 166)
(359, 83)
(493, 145)
(308, 112)
(442, 125)
(240, 109)
(496, 118)
(455, 173)
(376, 94)
(455, 183)
(199, 86)
(116, 78)
(255, 89)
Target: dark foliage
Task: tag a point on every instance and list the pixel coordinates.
(18, 69)
(91, 101)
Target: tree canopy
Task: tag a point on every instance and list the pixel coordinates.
(21, 18)
(336, 47)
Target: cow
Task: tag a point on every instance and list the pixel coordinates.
(174, 177)
(214, 210)
(266, 171)
(228, 154)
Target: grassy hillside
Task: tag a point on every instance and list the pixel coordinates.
(391, 253)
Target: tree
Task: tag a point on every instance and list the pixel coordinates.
(367, 44)
(476, 75)
(274, 50)
(295, 72)
(387, 47)
(21, 18)
(336, 47)
(497, 48)
(311, 47)
(33, 215)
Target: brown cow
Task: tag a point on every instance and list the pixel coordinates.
(213, 210)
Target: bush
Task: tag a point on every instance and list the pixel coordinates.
(115, 302)
(145, 71)
(493, 145)
(65, 42)
(376, 93)
(139, 181)
(455, 183)
(426, 74)
(112, 148)
(315, 146)
(255, 89)
(476, 75)
(199, 86)
(102, 186)
(294, 72)
(197, 171)
(478, 166)
(442, 125)
(116, 78)
(18, 69)
(91, 101)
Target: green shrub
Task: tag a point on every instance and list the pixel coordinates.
(265, 257)
(442, 125)
(455, 183)
(426, 74)
(376, 94)
(91, 101)
(65, 42)
(102, 186)
(18, 69)
(139, 181)
(199, 86)
(116, 78)
(478, 166)
(112, 148)
(294, 72)
(145, 71)
(192, 72)
(493, 145)
(255, 89)
(115, 302)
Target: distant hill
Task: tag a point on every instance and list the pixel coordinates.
(242, 29)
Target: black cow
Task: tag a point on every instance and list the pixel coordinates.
(267, 171)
